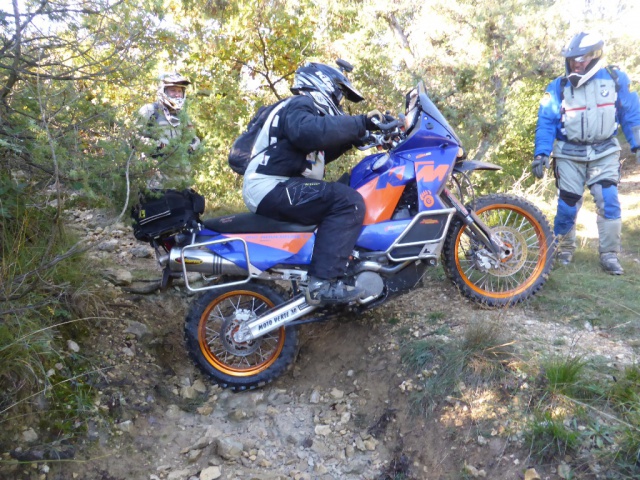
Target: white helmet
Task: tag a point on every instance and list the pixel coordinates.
(583, 47)
(172, 80)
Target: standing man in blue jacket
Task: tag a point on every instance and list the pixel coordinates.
(578, 121)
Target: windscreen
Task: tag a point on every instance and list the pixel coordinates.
(430, 109)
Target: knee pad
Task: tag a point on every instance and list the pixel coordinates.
(605, 195)
(566, 213)
(571, 199)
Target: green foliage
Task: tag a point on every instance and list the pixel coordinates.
(568, 294)
(563, 373)
(625, 391)
(41, 299)
(435, 316)
(566, 375)
(480, 357)
(605, 421)
(548, 436)
(9, 206)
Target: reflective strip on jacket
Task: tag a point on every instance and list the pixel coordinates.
(585, 121)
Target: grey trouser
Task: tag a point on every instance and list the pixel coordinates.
(602, 177)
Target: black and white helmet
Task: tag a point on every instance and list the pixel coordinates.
(583, 47)
(326, 86)
(172, 80)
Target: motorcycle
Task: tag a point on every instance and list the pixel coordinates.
(242, 329)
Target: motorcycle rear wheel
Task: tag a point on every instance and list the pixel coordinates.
(519, 224)
(210, 323)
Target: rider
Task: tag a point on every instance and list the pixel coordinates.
(161, 121)
(284, 181)
(580, 112)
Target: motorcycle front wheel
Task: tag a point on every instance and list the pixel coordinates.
(526, 233)
(210, 324)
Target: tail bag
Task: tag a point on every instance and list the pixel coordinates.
(164, 212)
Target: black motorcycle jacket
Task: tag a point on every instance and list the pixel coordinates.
(298, 129)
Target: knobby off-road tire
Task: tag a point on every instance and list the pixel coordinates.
(519, 224)
(210, 323)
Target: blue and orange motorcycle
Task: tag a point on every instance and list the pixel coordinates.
(242, 329)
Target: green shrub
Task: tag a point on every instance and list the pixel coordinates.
(548, 436)
(43, 300)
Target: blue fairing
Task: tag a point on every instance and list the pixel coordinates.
(428, 133)
(363, 171)
(380, 236)
(429, 150)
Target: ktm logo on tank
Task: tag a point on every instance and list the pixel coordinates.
(393, 177)
(428, 172)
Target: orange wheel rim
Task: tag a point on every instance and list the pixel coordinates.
(237, 359)
(537, 244)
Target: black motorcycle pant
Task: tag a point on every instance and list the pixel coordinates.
(337, 209)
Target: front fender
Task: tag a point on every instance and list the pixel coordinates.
(470, 165)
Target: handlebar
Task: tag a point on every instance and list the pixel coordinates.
(388, 136)
(385, 127)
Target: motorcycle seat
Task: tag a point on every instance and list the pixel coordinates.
(253, 223)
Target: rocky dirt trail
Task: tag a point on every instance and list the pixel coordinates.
(345, 411)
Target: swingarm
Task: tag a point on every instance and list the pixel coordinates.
(274, 319)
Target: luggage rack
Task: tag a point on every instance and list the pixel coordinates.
(421, 249)
(184, 251)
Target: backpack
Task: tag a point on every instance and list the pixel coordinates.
(240, 153)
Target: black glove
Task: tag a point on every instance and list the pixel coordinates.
(540, 162)
(369, 119)
(368, 139)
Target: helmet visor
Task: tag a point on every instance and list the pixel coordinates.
(174, 91)
(583, 58)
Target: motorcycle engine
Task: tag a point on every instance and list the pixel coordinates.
(371, 284)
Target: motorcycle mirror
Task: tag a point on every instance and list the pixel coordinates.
(344, 65)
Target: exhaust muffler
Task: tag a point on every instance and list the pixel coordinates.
(202, 260)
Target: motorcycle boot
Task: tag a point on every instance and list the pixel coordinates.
(330, 292)
(609, 231)
(610, 264)
(566, 247)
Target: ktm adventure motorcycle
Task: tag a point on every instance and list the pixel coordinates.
(242, 328)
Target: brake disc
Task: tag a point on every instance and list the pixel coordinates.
(517, 256)
(230, 326)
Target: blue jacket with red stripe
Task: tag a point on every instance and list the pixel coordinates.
(587, 115)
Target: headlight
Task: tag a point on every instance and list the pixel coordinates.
(410, 119)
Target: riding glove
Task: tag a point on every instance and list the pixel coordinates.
(540, 162)
(369, 119)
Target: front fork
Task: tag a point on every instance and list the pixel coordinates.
(478, 231)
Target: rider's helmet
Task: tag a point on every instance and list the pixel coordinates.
(172, 80)
(325, 85)
(583, 48)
